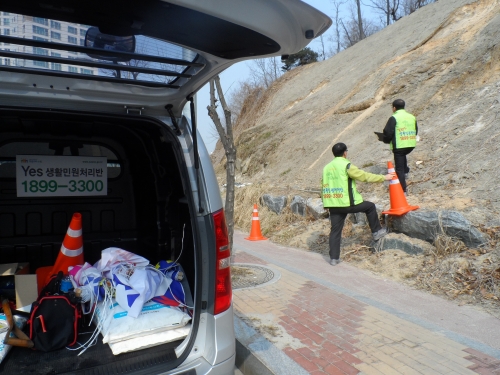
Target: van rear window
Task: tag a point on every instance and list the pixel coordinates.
(9, 151)
(60, 48)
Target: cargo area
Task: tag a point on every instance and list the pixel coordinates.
(145, 211)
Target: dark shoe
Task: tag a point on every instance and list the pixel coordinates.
(379, 234)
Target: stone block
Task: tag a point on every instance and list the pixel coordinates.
(298, 206)
(316, 209)
(425, 225)
(274, 203)
(398, 241)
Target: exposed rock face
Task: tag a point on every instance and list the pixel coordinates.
(316, 209)
(274, 203)
(443, 60)
(298, 206)
(357, 218)
(360, 217)
(425, 225)
(377, 169)
(399, 241)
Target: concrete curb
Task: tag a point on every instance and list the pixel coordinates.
(255, 355)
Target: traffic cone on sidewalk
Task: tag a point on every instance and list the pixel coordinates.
(255, 234)
(70, 254)
(399, 205)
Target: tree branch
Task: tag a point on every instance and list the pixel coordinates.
(212, 112)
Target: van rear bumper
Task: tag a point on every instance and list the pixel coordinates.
(202, 367)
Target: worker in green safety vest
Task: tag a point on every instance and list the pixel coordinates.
(340, 197)
(401, 133)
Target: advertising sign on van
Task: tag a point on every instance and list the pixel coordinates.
(60, 176)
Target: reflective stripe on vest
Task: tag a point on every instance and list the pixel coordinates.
(338, 190)
(405, 133)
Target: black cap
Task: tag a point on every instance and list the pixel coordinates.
(338, 149)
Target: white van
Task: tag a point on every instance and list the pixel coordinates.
(113, 80)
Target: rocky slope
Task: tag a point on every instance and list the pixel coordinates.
(443, 60)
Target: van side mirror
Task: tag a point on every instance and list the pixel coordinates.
(95, 39)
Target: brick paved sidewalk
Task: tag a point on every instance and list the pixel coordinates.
(326, 331)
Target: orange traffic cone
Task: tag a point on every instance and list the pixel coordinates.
(71, 253)
(255, 234)
(399, 205)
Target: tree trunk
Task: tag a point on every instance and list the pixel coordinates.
(360, 21)
(227, 139)
(388, 13)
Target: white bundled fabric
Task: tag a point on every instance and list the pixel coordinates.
(116, 290)
(150, 340)
(136, 285)
(134, 280)
(116, 325)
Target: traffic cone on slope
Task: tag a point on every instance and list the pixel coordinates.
(70, 254)
(255, 234)
(399, 205)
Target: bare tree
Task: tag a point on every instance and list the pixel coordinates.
(389, 8)
(119, 69)
(322, 41)
(239, 96)
(360, 21)
(226, 137)
(351, 29)
(264, 72)
(337, 20)
(410, 6)
(347, 36)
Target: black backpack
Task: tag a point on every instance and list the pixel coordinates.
(54, 317)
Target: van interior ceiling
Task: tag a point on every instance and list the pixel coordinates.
(144, 182)
(156, 19)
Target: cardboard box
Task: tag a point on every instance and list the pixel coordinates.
(26, 290)
(11, 269)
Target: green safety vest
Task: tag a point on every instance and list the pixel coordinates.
(338, 189)
(405, 134)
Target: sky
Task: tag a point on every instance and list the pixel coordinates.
(238, 72)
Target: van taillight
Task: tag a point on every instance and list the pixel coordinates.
(223, 290)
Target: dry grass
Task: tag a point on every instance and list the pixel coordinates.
(445, 245)
(273, 331)
(472, 276)
(238, 273)
(241, 271)
(270, 223)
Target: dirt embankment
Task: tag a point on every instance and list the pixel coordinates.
(444, 61)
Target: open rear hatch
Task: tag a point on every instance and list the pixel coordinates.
(141, 54)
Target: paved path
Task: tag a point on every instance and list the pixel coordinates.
(344, 320)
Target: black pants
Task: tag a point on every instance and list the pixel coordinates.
(401, 164)
(337, 219)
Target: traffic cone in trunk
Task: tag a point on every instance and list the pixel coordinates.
(399, 205)
(255, 234)
(70, 254)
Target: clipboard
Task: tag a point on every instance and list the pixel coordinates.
(380, 136)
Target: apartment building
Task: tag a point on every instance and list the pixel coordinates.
(43, 29)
